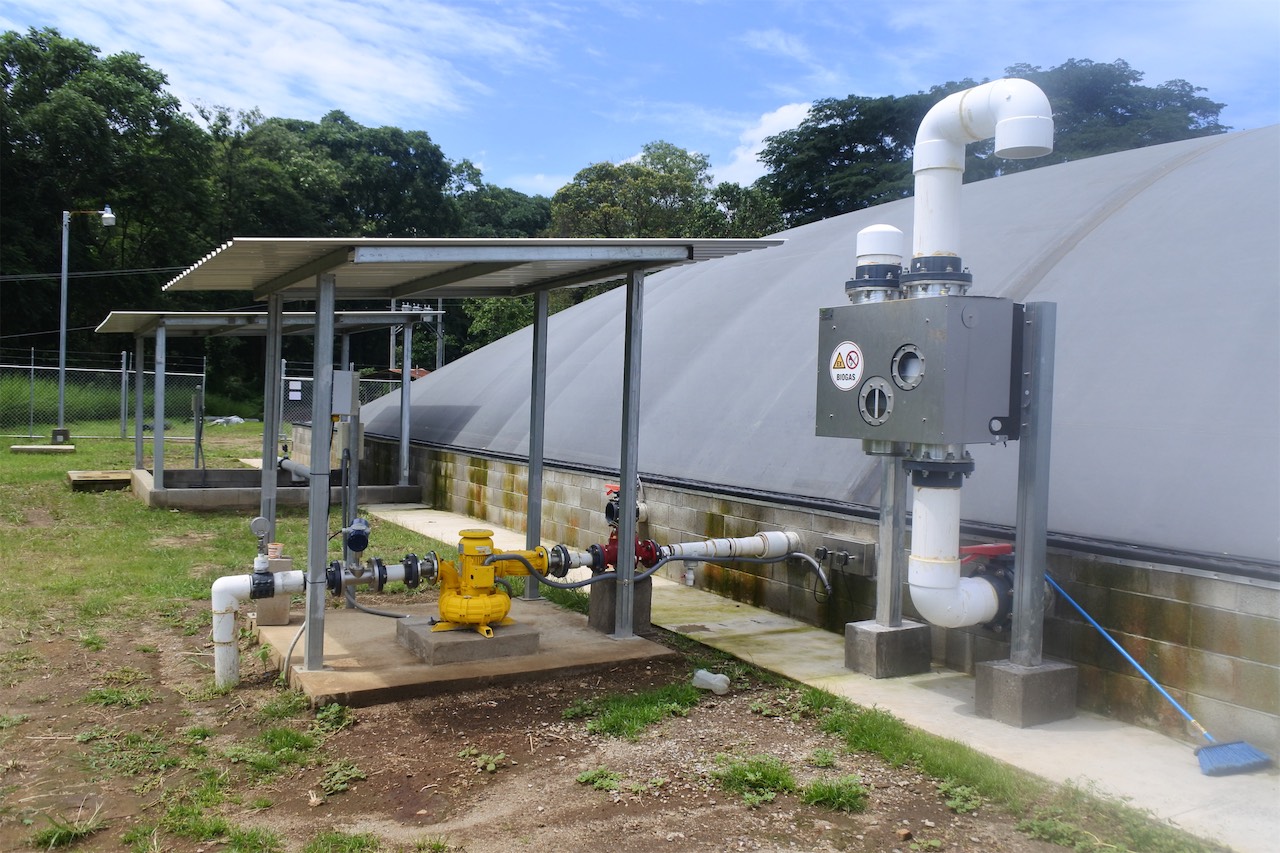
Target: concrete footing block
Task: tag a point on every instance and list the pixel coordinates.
(462, 645)
(883, 652)
(602, 611)
(1025, 696)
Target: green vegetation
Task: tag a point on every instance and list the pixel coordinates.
(63, 832)
(758, 778)
(338, 777)
(844, 794)
(602, 779)
(333, 718)
(483, 761)
(342, 842)
(628, 715)
(823, 757)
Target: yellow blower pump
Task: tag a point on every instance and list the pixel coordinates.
(469, 594)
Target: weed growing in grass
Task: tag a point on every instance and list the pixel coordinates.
(602, 779)
(432, 845)
(62, 832)
(125, 675)
(758, 778)
(961, 799)
(483, 761)
(845, 794)
(120, 697)
(93, 641)
(245, 840)
(276, 748)
(333, 718)
(338, 777)
(627, 715)
(147, 649)
(822, 757)
(292, 703)
(8, 721)
(132, 753)
(342, 842)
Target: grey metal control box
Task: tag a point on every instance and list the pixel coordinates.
(931, 370)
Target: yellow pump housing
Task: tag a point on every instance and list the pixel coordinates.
(469, 595)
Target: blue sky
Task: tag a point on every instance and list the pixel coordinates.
(534, 90)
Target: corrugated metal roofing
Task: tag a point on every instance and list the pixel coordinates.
(367, 268)
(1165, 266)
(247, 324)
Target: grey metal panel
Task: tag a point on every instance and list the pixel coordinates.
(1165, 268)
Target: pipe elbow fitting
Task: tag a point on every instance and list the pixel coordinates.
(946, 599)
(1012, 110)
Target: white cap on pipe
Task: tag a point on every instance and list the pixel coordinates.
(880, 244)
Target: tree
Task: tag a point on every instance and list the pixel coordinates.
(78, 131)
(855, 152)
(488, 211)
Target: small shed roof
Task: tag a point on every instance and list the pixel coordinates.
(247, 324)
(404, 268)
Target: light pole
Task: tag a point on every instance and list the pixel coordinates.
(108, 218)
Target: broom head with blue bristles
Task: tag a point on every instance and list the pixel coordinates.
(1224, 759)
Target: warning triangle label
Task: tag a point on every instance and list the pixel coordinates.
(839, 365)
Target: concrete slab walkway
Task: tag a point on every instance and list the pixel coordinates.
(1145, 768)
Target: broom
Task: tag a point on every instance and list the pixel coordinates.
(1216, 759)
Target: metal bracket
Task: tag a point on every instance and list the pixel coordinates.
(847, 556)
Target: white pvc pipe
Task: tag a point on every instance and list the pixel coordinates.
(228, 594)
(942, 596)
(767, 544)
(1012, 110)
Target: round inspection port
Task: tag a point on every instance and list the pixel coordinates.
(907, 367)
(875, 403)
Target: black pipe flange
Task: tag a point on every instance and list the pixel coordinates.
(558, 565)
(411, 576)
(381, 579)
(333, 577)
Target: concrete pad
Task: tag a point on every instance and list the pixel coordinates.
(461, 645)
(364, 665)
(42, 448)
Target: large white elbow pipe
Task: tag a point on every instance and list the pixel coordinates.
(1012, 110)
(942, 596)
(767, 545)
(228, 594)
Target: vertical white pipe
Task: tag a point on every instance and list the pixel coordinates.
(942, 596)
(1014, 111)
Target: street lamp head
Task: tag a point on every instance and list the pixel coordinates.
(108, 218)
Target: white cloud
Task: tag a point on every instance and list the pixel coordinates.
(537, 184)
(745, 167)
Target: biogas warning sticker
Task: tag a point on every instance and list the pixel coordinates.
(846, 366)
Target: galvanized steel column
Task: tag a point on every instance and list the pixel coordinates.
(271, 413)
(406, 380)
(157, 421)
(1038, 342)
(537, 432)
(626, 593)
(124, 394)
(321, 441)
(890, 553)
(139, 397)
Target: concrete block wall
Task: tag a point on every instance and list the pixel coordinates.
(1214, 643)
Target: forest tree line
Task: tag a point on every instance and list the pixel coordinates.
(79, 130)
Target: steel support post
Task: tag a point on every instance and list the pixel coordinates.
(890, 550)
(157, 421)
(124, 394)
(537, 432)
(1039, 333)
(62, 323)
(271, 394)
(321, 442)
(629, 470)
(139, 397)
(406, 394)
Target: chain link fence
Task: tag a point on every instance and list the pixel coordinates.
(98, 398)
(296, 395)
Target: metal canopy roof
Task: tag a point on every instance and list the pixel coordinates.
(246, 324)
(371, 268)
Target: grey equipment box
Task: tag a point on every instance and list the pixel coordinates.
(930, 370)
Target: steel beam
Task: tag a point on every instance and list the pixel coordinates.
(537, 432)
(271, 395)
(629, 469)
(318, 496)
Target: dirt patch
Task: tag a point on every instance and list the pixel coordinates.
(37, 517)
(426, 762)
(182, 541)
